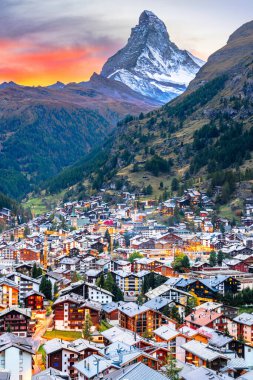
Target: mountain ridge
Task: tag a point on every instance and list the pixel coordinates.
(194, 135)
(150, 63)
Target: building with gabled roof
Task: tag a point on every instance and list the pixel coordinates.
(16, 356)
(88, 291)
(170, 292)
(139, 318)
(62, 355)
(17, 320)
(9, 292)
(204, 317)
(201, 355)
(71, 309)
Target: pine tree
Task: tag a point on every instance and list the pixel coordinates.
(56, 290)
(213, 259)
(39, 271)
(117, 294)
(48, 294)
(220, 258)
(101, 281)
(175, 314)
(46, 288)
(191, 303)
(174, 184)
(109, 282)
(43, 285)
(34, 271)
(172, 371)
(87, 328)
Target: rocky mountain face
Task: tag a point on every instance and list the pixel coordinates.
(150, 63)
(204, 133)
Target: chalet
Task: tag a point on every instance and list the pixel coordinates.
(25, 269)
(167, 334)
(16, 354)
(51, 374)
(129, 355)
(164, 305)
(92, 275)
(140, 319)
(130, 283)
(170, 292)
(70, 263)
(208, 318)
(199, 266)
(118, 334)
(34, 300)
(145, 264)
(167, 208)
(120, 265)
(110, 311)
(241, 263)
(27, 254)
(223, 284)
(136, 371)
(88, 291)
(165, 270)
(71, 309)
(63, 355)
(244, 323)
(204, 291)
(8, 292)
(103, 265)
(87, 263)
(17, 320)
(200, 355)
(56, 278)
(25, 284)
(87, 368)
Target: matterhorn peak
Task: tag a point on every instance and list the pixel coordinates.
(148, 16)
(150, 63)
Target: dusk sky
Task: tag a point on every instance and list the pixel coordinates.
(42, 41)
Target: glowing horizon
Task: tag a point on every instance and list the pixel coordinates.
(67, 40)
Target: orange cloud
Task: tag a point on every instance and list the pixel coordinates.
(27, 64)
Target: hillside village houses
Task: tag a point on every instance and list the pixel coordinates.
(105, 272)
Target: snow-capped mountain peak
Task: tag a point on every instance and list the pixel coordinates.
(150, 63)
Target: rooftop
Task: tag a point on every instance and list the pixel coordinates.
(135, 371)
(131, 309)
(202, 351)
(166, 332)
(202, 317)
(121, 335)
(245, 318)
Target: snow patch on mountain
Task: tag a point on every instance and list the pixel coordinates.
(150, 63)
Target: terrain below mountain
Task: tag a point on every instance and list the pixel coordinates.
(45, 129)
(202, 134)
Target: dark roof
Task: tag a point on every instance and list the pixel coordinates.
(32, 292)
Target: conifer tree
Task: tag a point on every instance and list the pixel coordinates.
(172, 371)
(34, 271)
(109, 282)
(87, 328)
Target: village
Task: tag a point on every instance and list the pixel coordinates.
(99, 289)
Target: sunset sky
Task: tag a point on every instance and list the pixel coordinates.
(42, 41)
